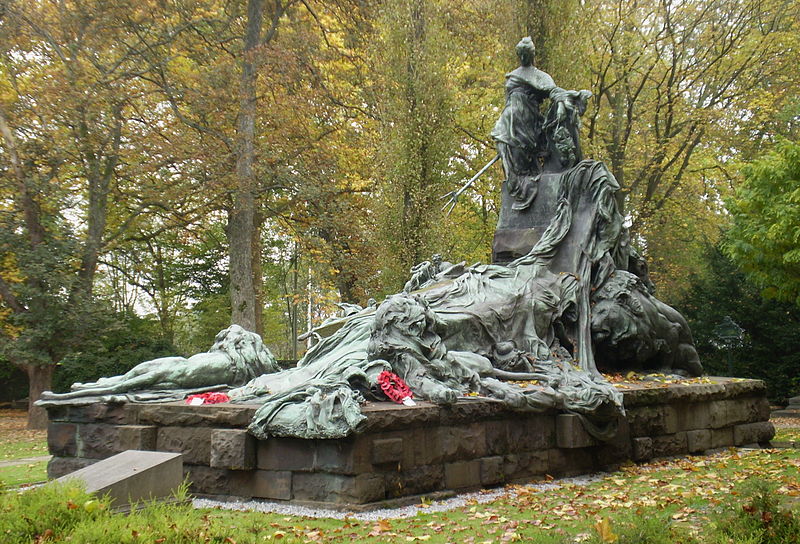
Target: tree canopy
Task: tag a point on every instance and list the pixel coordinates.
(765, 235)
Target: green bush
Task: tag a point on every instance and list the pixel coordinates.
(47, 513)
(771, 329)
(119, 348)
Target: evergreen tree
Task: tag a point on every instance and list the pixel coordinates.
(771, 329)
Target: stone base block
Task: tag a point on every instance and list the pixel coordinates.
(405, 451)
(233, 449)
(698, 440)
(336, 488)
(570, 432)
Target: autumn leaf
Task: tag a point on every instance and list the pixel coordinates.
(603, 528)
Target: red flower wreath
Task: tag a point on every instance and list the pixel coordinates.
(394, 387)
(209, 398)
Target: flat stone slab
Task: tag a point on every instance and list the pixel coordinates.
(132, 476)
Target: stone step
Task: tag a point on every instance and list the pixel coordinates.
(132, 476)
(786, 413)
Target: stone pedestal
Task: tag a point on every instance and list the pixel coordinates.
(792, 410)
(402, 451)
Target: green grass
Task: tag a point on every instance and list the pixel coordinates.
(787, 434)
(29, 447)
(28, 473)
(695, 500)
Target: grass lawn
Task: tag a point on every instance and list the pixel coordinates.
(17, 442)
(28, 473)
(679, 500)
(787, 429)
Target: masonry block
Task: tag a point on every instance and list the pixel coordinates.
(206, 480)
(570, 432)
(651, 420)
(336, 488)
(496, 435)
(62, 439)
(426, 446)
(462, 442)
(387, 450)
(748, 410)
(293, 454)
(753, 433)
(462, 474)
(524, 465)
(698, 440)
(193, 442)
(642, 448)
(618, 450)
(531, 433)
(564, 462)
(350, 455)
(718, 414)
(492, 472)
(722, 438)
(415, 481)
(138, 437)
(232, 449)
(693, 416)
(60, 466)
(670, 444)
(271, 484)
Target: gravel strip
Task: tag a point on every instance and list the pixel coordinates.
(452, 503)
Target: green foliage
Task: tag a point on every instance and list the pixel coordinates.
(416, 111)
(758, 516)
(197, 326)
(49, 512)
(771, 329)
(765, 237)
(118, 346)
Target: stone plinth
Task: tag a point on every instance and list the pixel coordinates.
(792, 410)
(405, 451)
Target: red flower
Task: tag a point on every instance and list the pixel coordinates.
(394, 387)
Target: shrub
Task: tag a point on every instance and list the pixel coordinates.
(47, 513)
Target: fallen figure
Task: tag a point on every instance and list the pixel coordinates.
(236, 357)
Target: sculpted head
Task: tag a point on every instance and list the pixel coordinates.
(246, 348)
(403, 324)
(526, 52)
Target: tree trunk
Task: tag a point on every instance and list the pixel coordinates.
(243, 219)
(40, 378)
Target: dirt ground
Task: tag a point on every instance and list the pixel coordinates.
(12, 427)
